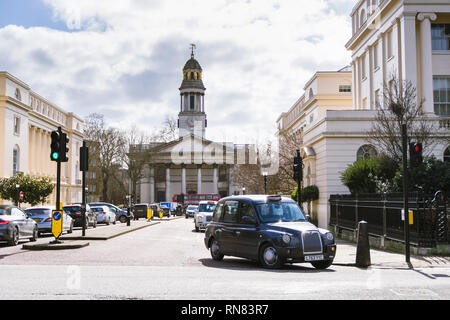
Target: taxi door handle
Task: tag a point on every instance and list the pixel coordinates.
(237, 233)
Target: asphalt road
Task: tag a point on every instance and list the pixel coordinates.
(169, 261)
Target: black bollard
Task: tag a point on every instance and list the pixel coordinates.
(363, 249)
(128, 216)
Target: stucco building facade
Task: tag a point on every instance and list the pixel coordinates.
(407, 39)
(26, 122)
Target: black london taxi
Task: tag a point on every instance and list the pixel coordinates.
(269, 229)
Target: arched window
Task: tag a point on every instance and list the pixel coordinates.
(366, 151)
(311, 93)
(16, 159)
(447, 155)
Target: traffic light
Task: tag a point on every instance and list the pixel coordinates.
(415, 154)
(64, 147)
(84, 158)
(298, 169)
(55, 146)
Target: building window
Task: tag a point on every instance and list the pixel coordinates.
(345, 88)
(366, 151)
(447, 155)
(389, 45)
(18, 95)
(192, 102)
(441, 90)
(16, 125)
(440, 35)
(16, 159)
(377, 99)
(376, 62)
(363, 67)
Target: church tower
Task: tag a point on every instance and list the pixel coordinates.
(192, 116)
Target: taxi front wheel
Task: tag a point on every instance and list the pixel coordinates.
(216, 254)
(269, 258)
(322, 264)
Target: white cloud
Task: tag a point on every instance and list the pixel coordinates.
(125, 58)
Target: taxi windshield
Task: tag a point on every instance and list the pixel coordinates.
(206, 207)
(279, 211)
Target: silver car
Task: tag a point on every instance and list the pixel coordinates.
(43, 216)
(16, 225)
(104, 214)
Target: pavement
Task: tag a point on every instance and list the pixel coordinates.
(346, 256)
(345, 252)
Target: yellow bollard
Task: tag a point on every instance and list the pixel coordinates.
(149, 214)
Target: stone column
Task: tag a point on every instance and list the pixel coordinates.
(215, 180)
(426, 61)
(31, 148)
(168, 193)
(408, 51)
(152, 185)
(230, 181)
(183, 179)
(199, 179)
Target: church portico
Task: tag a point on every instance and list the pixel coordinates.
(190, 164)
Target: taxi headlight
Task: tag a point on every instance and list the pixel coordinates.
(286, 238)
(329, 236)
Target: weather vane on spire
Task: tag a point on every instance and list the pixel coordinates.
(192, 49)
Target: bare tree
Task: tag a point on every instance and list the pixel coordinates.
(399, 105)
(169, 132)
(136, 153)
(109, 145)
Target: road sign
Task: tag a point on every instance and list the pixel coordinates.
(21, 195)
(57, 222)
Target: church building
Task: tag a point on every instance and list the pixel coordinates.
(191, 164)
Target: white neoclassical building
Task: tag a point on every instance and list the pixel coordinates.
(26, 122)
(406, 38)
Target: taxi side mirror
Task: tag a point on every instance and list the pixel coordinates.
(308, 217)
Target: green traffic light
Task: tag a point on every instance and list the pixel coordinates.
(55, 155)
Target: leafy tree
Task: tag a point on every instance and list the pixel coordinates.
(34, 190)
(370, 175)
(308, 194)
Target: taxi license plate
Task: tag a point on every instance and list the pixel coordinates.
(314, 258)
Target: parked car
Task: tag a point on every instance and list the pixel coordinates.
(269, 229)
(165, 210)
(74, 210)
(43, 216)
(155, 209)
(121, 214)
(190, 211)
(16, 225)
(104, 214)
(204, 214)
(140, 210)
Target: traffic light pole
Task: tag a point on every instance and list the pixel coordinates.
(405, 191)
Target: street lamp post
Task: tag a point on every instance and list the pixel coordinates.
(18, 194)
(265, 180)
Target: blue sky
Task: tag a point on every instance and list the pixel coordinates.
(29, 13)
(124, 58)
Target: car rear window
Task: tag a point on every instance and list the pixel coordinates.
(37, 211)
(72, 209)
(3, 212)
(97, 209)
(140, 207)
